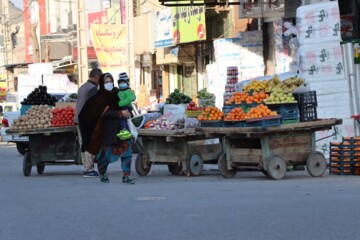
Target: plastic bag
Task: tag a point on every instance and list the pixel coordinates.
(191, 123)
(204, 102)
(133, 129)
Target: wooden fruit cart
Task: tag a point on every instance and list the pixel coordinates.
(271, 150)
(182, 150)
(49, 146)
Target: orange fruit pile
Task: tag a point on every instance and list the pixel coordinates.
(260, 111)
(236, 114)
(211, 114)
(240, 97)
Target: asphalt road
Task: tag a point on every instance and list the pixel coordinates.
(61, 204)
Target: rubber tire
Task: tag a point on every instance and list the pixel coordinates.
(195, 164)
(40, 167)
(316, 167)
(222, 165)
(27, 164)
(175, 169)
(139, 167)
(22, 148)
(276, 167)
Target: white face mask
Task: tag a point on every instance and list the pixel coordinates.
(109, 86)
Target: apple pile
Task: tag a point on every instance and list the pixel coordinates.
(192, 107)
(279, 96)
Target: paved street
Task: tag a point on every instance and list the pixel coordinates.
(61, 204)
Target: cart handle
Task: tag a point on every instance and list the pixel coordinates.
(334, 134)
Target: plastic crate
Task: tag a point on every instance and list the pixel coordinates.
(308, 113)
(289, 112)
(246, 107)
(211, 123)
(290, 121)
(193, 113)
(234, 124)
(227, 108)
(306, 98)
(264, 123)
(24, 109)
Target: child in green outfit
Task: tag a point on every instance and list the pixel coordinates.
(126, 97)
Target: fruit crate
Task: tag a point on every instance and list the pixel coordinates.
(308, 113)
(193, 113)
(211, 123)
(356, 169)
(290, 121)
(306, 98)
(289, 112)
(247, 106)
(264, 122)
(340, 171)
(227, 108)
(234, 124)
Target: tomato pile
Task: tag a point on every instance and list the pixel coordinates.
(63, 117)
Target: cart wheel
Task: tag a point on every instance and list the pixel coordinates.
(27, 164)
(222, 164)
(140, 170)
(22, 147)
(195, 164)
(316, 164)
(40, 167)
(276, 167)
(175, 168)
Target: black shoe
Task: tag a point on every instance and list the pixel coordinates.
(128, 180)
(91, 174)
(104, 178)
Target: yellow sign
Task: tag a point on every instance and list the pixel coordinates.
(188, 24)
(2, 91)
(110, 46)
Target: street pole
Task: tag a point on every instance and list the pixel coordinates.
(8, 58)
(130, 39)
(81, 42)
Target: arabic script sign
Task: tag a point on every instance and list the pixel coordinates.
(110, 46)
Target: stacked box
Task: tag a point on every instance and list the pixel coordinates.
(345, 157)
(307, 105)
(232, 79)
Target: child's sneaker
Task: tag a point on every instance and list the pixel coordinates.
(128, 180)
(124, 135)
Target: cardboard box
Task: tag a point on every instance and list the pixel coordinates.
(65, 104)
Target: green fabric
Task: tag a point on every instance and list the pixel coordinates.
(126, 97)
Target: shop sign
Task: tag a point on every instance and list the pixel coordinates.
(179, 25)
(94, 18)
(2, 90)
(188, 24)
(110, 46)
(163, 32)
